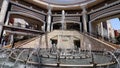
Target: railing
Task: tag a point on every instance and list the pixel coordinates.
(99, 37)
(25, 26)
(26, 42)
(69, 29)
(16, 44)
(20, 9)
(71, 18)
(107, 8)
(22, 31)
(104, 39)
(72, 14)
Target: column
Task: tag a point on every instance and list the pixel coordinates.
(12, 40)
(90, 27)
(49, 18)
(80, 27)
(51, 26)
(108, 29)
(84, 17)
(101, 24)
(3, 13)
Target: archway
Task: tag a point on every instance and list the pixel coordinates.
(36, 22)
(70, 25)
(22, 22)
(107, 15)
(101, 26)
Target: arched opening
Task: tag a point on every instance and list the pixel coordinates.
(77, 44)
(57, 26)
(103, 28)
(21, 22)
(70, 25)
(18, 20)
(73, 26)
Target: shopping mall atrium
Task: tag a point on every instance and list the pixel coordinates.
(59, 34)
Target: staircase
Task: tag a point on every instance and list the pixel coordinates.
(96, 44)
(99, 45)
(105, 44)
(30, 43)
(22, 43)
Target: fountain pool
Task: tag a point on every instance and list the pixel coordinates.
(42, 58)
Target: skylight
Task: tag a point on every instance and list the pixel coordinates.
(66, 2)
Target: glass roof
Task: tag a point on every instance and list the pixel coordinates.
(66, 2)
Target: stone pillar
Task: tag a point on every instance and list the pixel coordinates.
(49, 18)
(13, 45)
(109, 29)
(80, 27)
(90, 28)
(3, 13)
(12, 40)
(84, 17)
(101, 24)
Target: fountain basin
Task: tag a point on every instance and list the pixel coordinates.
(52, 61)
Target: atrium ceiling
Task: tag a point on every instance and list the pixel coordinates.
(64, 4)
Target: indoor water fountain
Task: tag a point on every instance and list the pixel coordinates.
(58, 57)
(37, 58)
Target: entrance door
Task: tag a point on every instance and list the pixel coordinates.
(54, 41)
(77, 43)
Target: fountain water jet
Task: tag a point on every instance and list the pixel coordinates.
(115, 58)
(74, 58)
(89, 49)
(11, 52)
(19, 56)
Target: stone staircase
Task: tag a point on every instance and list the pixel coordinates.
(96, 44)
(30, 43)
(56, 33)
(102, 43)
(21, 43)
